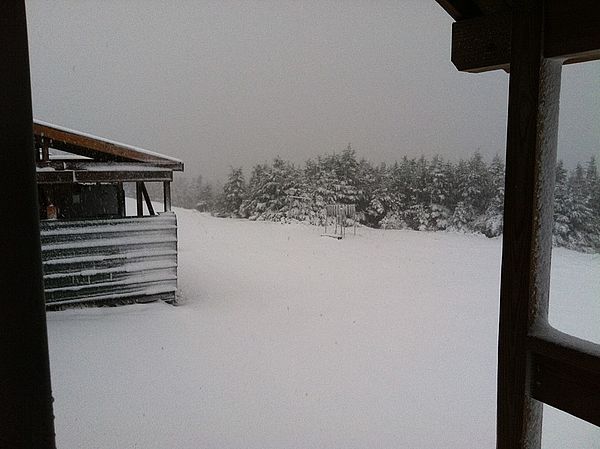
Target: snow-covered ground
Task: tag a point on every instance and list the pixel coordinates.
(286, 339)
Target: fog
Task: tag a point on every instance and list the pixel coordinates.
(233, 83)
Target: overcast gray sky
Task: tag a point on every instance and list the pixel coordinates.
(233, 83)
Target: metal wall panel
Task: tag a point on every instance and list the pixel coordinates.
(132, 258)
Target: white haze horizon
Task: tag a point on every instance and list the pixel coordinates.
(220, 84)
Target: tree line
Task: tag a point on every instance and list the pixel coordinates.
(414, 193)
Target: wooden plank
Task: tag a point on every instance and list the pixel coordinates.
(571, 34)
(26, 416)
(566, 373)
(527, 241)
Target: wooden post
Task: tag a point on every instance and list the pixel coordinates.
(121, 199)
(147, 199)
(45, 151)
(167, 196)
(138, 198)
(530, 160)
(26, 415)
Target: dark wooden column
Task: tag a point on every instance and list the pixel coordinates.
(26, 418)
(167, 196)
(139, 201)
(530, 160)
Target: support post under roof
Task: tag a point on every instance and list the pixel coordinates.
(534, 91)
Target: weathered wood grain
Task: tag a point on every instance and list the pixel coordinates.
(527, 242)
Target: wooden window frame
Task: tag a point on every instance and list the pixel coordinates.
(536, 363)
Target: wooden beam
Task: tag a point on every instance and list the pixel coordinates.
(566, 373)
(26, 416)
(74, 176)
(122, 176)
(532, 133)
(571, 34)
(572, 30)
(460, 9)
(147, 200)
(482, 44)
(54, 177)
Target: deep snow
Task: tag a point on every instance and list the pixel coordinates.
(286, 339)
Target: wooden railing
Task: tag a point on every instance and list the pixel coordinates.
(107, 260)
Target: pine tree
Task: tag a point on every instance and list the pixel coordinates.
(437, 190)
(574, 224)
(476, 189)
(234, 190)
(491, 222)
(592, 181)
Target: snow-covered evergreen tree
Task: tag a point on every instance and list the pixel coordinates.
(491, 222)
(574, 223)
(234, 191)
(414, 193)
(476, 187)
(438, 186)
(592, 181)
(463, 217)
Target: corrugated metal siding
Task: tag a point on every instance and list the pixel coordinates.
(103, 260)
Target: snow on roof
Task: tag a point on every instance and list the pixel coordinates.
(108, 141)
(58, 155)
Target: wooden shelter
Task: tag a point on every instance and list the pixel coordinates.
(536, 363)
(531, 39)
(91, 250)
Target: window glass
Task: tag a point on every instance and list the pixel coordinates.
(561, 430)
(575, 282)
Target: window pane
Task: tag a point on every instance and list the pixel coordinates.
(575, 283)
(561, 430)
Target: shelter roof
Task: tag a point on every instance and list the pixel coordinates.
(98, 148)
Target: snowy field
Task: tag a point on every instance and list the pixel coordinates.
(285, 339)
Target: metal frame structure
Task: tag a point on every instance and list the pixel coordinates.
(340, 213)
